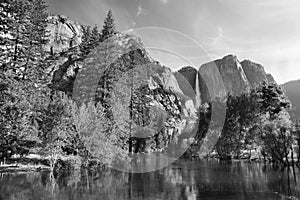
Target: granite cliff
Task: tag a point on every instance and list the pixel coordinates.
(64, 33)
(255, 73)
(84, 73)
(226, 75)
(216, 78)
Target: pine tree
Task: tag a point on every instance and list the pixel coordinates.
(95, 37)
(272, 99)
(14, 16)
(90, 40)
(4, 29)
(37, 36)
(86, 38)
(23, 36)
(23, 58)
(109, 26)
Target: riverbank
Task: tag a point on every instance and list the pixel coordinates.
(24, 164)
(22, 168)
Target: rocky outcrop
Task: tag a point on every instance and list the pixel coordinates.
(270, 78)
(220, 77)
(162, 89)
(64, 38)
(98, 79)
(64, 33)
(256, 73)
(224, 76)
(192, 84)
(189, 73)
(186, 78)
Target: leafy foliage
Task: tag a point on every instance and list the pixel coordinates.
(277, 136)
(255, 119)
(240, 115)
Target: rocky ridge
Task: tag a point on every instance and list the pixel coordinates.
(226, 75)
(235, 76)
(128, 53)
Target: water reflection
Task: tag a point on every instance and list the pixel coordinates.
(188, 180)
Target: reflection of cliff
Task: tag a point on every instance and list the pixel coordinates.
(182, 180)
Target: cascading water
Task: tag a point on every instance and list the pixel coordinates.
(197, 91)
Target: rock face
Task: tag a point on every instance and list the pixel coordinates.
(192, 84)
(186, 78)
(223, 76)
(189, 73)
(256, 73)
(292, 90)
(161, 89)
(270, 78)
(64, 33)
(93, 77)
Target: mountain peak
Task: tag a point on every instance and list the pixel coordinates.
(230, 57)
(187, 68)
(227, 73)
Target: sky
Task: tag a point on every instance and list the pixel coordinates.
(194, 32)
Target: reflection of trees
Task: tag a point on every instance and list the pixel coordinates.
(23, 186)
(242, 178)
(284, 181)
(182, 180)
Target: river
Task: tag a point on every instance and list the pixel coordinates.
(184, 179)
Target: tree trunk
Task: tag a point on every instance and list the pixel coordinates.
(298, 155)
(250, 155)
(16, 45)
(292, 156)
(287, 160)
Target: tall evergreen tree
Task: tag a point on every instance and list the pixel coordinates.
(90, 39)
(23, 62)
(14, 16)
(37, 36)
(22, 37)
(86, 38)
(95, 36)
(109, 28)
(4, 29)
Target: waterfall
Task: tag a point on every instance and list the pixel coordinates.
(197, 91)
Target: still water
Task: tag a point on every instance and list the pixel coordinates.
(184, 179)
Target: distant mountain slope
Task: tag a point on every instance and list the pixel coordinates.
(293, 92)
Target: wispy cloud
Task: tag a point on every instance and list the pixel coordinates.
(141, 11)
(265, 31)
(219, 37)
(164, 1)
